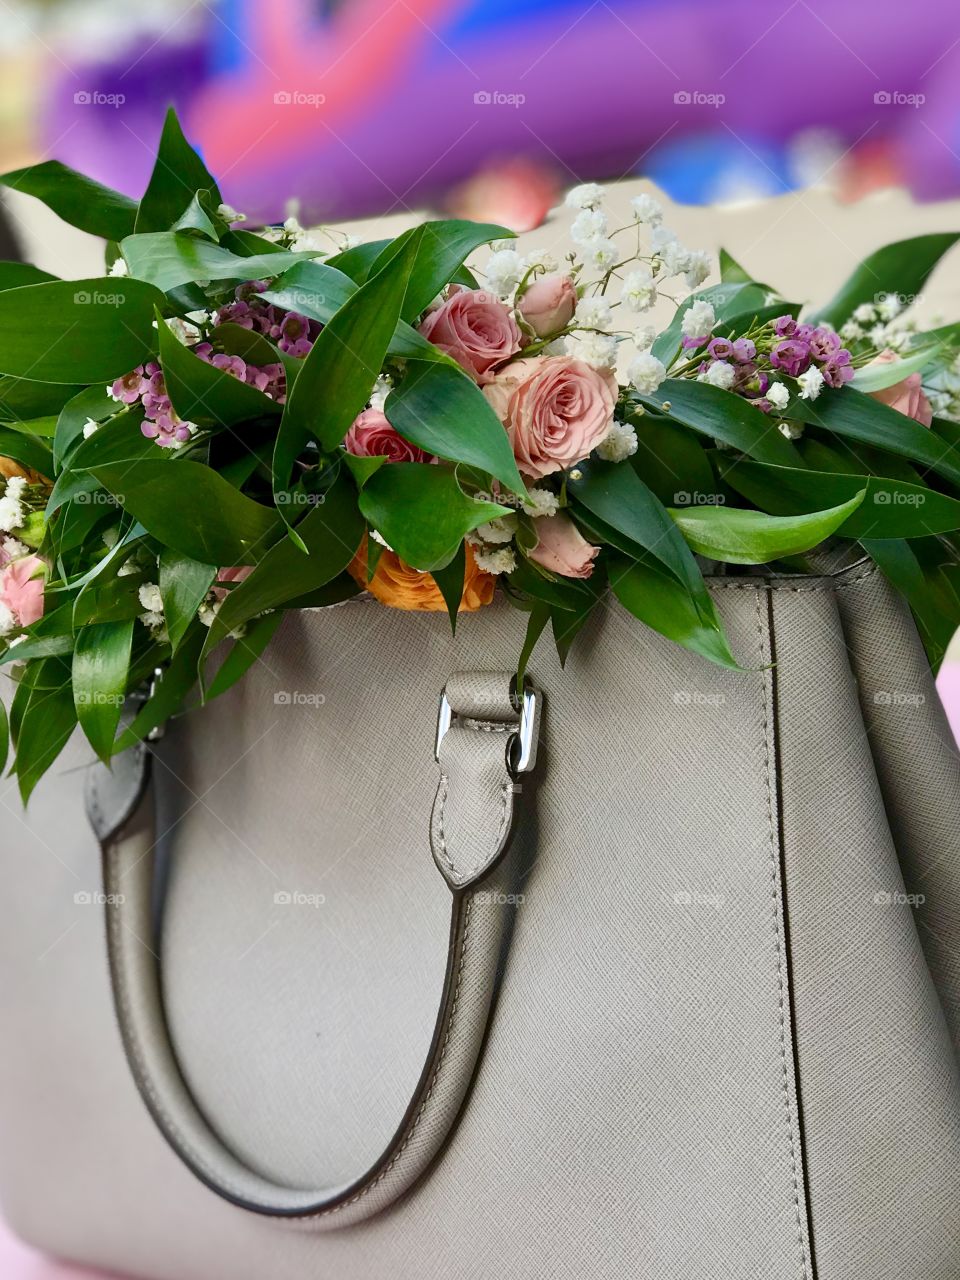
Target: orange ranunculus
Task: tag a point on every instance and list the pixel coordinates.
(395, 584)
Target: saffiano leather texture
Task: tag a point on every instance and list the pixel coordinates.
(720, 1034)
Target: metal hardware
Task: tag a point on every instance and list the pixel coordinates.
(522, 745)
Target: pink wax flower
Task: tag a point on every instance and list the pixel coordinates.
(475, 328)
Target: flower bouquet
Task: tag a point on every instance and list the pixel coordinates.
(230, 424)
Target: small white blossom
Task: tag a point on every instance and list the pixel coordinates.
(719, 374)
(593, 313)
(89, 427)
(587, 196)
(699, 266)
(600, 254)
(381, 389)
(207, 613)
(778, 395)
(152, 621)
(540, 502)
(7, 621)
(889, 306)
(851, 331)
(503, 271)
(810, 383)
(502, 560)
(229, 214)
(644, 337)
(646, 373)
(865, 313)
(792, 430)
(13, 548)
(150, 597)
(639, 291)
(590, 224)
(127, 569)
(698, 320)
(12, 514)
(648, 210)
(498, 531)
(118, 268)
(538, 260)
(599, 350)
(619, 443)
(675, 259)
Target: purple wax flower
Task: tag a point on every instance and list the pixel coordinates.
(130, 387)
(804, 332)
(791, 357)
(743, 350)
(691, 344)
(763, 405)
(824, 344)
(720, 348)
(231, 364)
(784, 326)
(836, 374)
(842, 356)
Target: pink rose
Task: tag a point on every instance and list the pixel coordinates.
(372, 436)
(475, 328)
(21, 589)
(906, 396)
(562, 548)
(556, 410)
(235, 574)
(548, 305)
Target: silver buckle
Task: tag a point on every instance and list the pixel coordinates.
(522, 745)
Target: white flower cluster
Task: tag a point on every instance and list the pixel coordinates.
(12, 512)
(880, 323)
(942, 389)
(152, 617)
(493, 542)
(620, 443)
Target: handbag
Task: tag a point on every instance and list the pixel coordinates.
(676, 994)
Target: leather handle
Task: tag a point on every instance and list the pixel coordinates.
(470, 833)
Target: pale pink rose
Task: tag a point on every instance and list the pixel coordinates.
(21, 589)
(372, 436)
(562, 548)
(235, 574)
(475, 328)
(906, 396)
(556, 410)
(548, 305)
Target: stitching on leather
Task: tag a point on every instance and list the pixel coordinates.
(788, 1113)
(454, 1006)
(825, 584)
(115, 926)
(443, 792)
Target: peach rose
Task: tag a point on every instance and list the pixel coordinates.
(475, 328)
(556, 410)
(562, 548)
(372, 436)
(234, 574)
(906, 396)
(395, 584)
(21, 589)
(548, 305)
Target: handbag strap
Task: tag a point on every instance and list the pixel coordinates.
(486, 738)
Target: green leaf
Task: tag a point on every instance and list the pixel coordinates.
(29, 451)
(903, 268)
(119, 440)
(727, 300)
(169, 692)
(92, 403)
(26, 398)
(441, 411)
(190, 508)
(197, 218)
(339, 372)
(442, 247)
(4, 737)
(877, 377)
(77, 330)
(183, 585)
(658, 600)
(169, 259)
(202, 393)
(731, 271)
(671, 460)
(536, 623)
(243, 654)
(536, 583)
(852, 414)
(422, 512)
(331, 533)
(178, 174)
(356, 262)
(44, 719)
(14, 275)
(890, 509)
(101, 661)
(723, 416)
(738, 536)
(76, 199)
(450, 580)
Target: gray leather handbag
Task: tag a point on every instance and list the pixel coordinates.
(677, 994)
